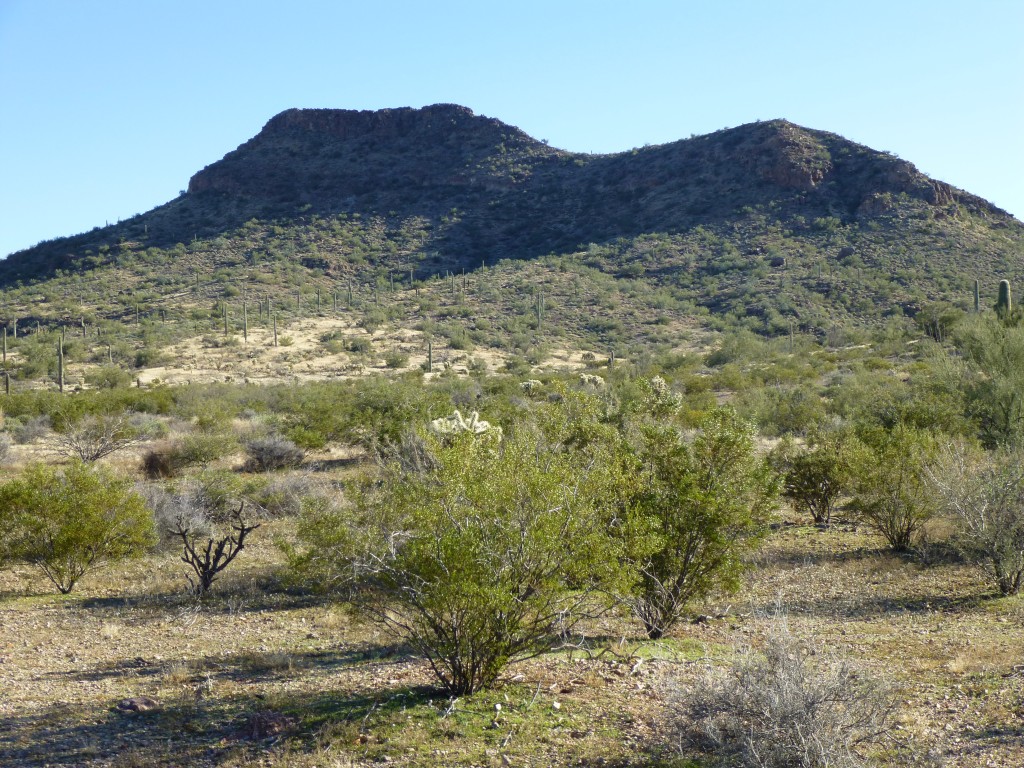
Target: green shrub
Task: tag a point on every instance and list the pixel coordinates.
(695, 510)
(395, 358)
(892, 492)
(108, 377)
(72, 520)
(815, 478)
(478, 564)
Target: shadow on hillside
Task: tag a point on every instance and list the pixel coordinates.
(192, 730)
(65, 735)
(798, 557)
(329, 465)
(253, 666)
(229, 597)
(868, 606)
(983, 742)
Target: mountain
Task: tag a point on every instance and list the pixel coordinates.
(769, 220)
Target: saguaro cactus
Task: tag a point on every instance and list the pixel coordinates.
(977, 296)
(1004, 304)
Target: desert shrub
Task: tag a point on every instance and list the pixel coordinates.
(790, 705)
(284, 496)
(359, 345)
(32, 429)
(195, 449)
(201, 502)
(201, 448)
(782, 410)
(96, 436)
(413, 453)
(157, 463)
(484, 562)
(72, 520)
(983, 493)
(892, 492)
(993, 352)
(698, 506)
(272, 452)
(108, 377)
(5, 448)
(208, 555)
(814, 478)
(149, 357)
(395, 358)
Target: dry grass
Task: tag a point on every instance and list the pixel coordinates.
(257, 676)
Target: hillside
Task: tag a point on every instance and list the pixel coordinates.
(769, 226)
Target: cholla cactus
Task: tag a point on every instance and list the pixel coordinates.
(591, 380)
(456, 424)
(661, 399)
(531, 386)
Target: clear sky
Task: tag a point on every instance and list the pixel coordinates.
(107, 107)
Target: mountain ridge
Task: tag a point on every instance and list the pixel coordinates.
(477, 190)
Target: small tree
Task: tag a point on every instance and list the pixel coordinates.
(70, 521)
(983, 493)
(893, 494)
(700, 505)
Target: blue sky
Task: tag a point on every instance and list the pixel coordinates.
(107, 107)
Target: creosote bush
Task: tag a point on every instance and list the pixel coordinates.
(892, 492)
(815, 478)
(488, 559)
(698, 506)
(68, 521)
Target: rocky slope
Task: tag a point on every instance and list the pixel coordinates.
(479, 190)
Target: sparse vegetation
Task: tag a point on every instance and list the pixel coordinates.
(644, 351)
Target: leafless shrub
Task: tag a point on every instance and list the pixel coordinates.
(168, 508)
(202, 504)
(983, 493)
(283, 496)
(273, 452)
(209, 558)
(31, 430)
(791, 705)
(5, 447)
(412, 454)
(94, 437)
